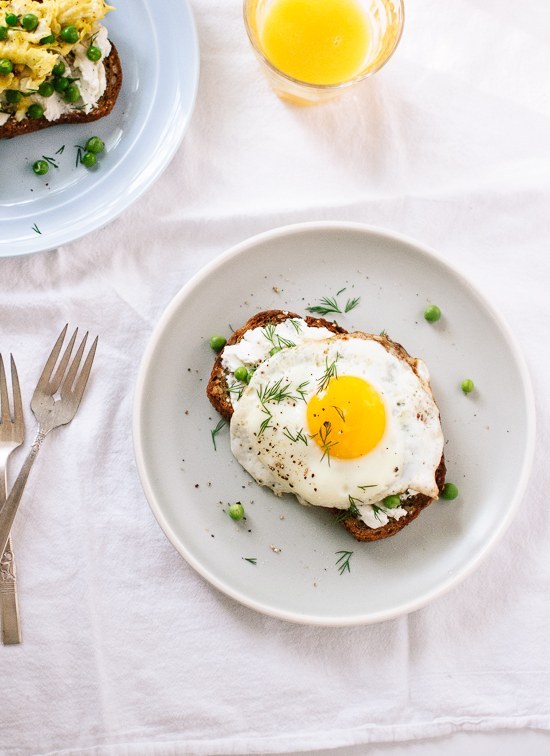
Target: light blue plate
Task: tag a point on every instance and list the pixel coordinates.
(158, 47)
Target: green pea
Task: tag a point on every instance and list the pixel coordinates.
(93, 53)
(72, 93)
(46, 89)
(40, 167)
(3, 33)
(216, 342)
(12, 19)
(391, 502)
(60, 84)
(274, 350)
(467, 385)
(49, 40)
(35, 110)
(432, 313)
(29, 21)
(6, 66)
(236, 511)
(450, 492)
(241, 373)
(59, 68)
(13, 96)
(88, 159)
(69, 34)
(97, 145)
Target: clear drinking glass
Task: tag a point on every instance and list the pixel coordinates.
(384, 20)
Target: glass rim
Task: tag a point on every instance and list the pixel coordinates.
(308, 84)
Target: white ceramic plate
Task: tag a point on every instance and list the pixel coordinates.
(188, 483)
(160, 63)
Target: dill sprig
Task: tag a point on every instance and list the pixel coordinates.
(79, 152)
(301, 391)
(376, 509)
(51, 161)
(267, 422)
(340, 413)
(326, 443)
(372, 485)
(60, 150)
(343, 561)
(330, 372)
(297, 325)
(36, 229)
(252, 560)
(329, 305)
(300, 435)
(351, 511)
(275, 339)
(325, 307)
(214, 432)
(351, 304)
(275, 392)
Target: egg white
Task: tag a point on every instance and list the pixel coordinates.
(267, 438)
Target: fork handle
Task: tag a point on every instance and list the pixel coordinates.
(9, 510)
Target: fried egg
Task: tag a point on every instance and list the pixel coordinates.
(343, 420)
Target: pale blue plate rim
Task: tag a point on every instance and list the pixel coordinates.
(72, 222)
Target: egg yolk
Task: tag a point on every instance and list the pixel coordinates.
(348, 419)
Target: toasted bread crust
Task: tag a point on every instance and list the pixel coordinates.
(113, 72)
(219, 398)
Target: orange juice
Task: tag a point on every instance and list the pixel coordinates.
(316, 41)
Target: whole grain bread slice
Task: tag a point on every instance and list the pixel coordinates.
(113, 72)
(219, 398)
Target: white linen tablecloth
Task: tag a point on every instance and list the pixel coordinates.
(126, 649)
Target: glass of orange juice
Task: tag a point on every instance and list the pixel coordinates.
(313, 50)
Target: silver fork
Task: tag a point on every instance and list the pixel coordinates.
(12, 435)
(50, 412)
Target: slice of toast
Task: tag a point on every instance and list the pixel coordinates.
(113, 72)
(219, 398)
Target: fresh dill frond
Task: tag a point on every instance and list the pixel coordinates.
(340, 413)
(341, 290)
(282, 342)
(36, 229)
(214, 432)
(60, 150)
(351, 511)
(301, 390)
(51, 161)
(351, 304)
(326, 305)
(265, 423)
(330, 372)
(376, 509)
(252, 560)
(275, 392)
(300, 435)
(383, 333)
(326, 443)
(343, 561)
(297, 325)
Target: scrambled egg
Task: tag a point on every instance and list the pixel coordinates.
(32, 61)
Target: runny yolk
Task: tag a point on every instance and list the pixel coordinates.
(348, 419)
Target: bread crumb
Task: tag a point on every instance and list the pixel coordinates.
(275, 549)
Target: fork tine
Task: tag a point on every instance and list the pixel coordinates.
(63, 362)
(50, 362)
(68, 381)
(16, 390)
(4, 401)
(85, 372)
